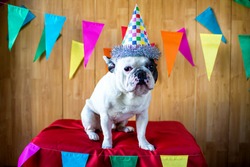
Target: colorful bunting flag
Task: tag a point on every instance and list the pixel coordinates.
(51, 32)
(171, 42)
(107, 52)
(28, 151)
(90, 32)
(30, 16)
(41, 47)
(210, 44)
(174, 161)
(207, 19)
(184, 47)
(243, 2)
(124, 29)
(16, 18)
(77, 55)
(123, 161)
(245, 49)
(53, 26)
(70, 159)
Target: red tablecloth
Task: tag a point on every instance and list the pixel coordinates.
(168, 137)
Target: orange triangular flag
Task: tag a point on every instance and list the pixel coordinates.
(171, 42)
(107, 52)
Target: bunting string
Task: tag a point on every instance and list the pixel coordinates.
(53, 24)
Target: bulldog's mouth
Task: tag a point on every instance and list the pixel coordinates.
(139, 84)
(141, 88)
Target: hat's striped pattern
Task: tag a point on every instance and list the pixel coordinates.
(136, 32)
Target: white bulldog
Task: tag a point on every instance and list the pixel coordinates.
(123, 92)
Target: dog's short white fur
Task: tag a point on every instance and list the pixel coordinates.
(118, 96)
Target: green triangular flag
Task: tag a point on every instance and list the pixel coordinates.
(41, 47)
(243, 2)
(16, 17)
(245, 49)
(123, 161)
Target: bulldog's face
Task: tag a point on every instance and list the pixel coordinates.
(134, 74)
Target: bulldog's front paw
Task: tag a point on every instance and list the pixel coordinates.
(147, 146)
(126, 129)
(106, 144)
(93, 135)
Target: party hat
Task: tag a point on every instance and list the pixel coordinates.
(136, 32)
(135, 41)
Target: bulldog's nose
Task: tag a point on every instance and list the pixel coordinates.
(142, 75)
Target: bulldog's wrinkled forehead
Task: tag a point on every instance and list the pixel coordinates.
(133, 61)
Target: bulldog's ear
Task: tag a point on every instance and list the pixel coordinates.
(110, 63)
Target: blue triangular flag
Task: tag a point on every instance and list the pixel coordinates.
(53, 26)
(207, 19)
(70, 159)
(30, 16)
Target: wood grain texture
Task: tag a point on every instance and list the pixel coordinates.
(213, 103)
(179, 89)
(78, 89)
(32, 95)
(5, 89)
(239, 120)
(35, 88)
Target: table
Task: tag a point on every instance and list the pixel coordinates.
(168, 137)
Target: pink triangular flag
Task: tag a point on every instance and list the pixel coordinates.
(184, 47)
(90, 32)
(29, 150)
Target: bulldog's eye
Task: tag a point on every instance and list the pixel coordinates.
(128, 68)
(151, 68)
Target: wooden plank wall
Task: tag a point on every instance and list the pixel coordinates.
(217, 113)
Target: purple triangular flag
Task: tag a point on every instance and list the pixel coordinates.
(28, 151)
(90, 33)
(184, 47)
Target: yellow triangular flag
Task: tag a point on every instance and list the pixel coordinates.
(174, 160)
(76, 57)
(210, 44)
